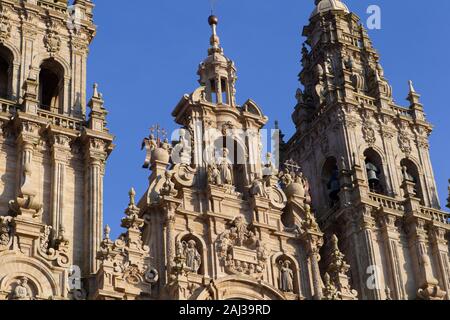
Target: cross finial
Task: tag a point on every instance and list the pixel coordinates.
(158, 132)
(292, 166)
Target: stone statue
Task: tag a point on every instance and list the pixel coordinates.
(149, 144)
(406, 175)
(213, 174)
(166, 145)
(286, 178)
(5, 231)
(45, 238)
(107, 232)
(258, 188)
(179, 250)
(185, 142)
(225, 168)
(168, 187)
(269, 167)
(299, 96)
(193, 257)
(22, 292)
(286, 277)
(240, 231)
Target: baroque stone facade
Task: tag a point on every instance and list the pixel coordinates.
(354, 199)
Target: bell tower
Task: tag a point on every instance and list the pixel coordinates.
(368, 161)
(52, 151)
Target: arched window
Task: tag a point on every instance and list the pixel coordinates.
(411, 173)
(330, 181)
(6, 59)
(51, 85)
(374, 170)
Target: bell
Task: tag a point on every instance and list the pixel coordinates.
(334, 186)
(372, 173)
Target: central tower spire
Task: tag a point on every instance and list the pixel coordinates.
(217, 72)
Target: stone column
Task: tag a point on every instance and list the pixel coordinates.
(367, 224)
(26, 143)
(219, 90)
(428, 288)
(390, 239)
(16, 93)
(95, 159)
(170, 227)
(313, 244)
(60, 156)
(440, 251)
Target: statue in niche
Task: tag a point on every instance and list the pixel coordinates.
(329, 65)
(193, 257)
(240, 231)
(406, 175)
(21, 291)
(226, 168)
(286, 277)
(187, 253)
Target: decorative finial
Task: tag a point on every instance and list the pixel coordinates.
(107, 232)
(96, 95)
(411, 87)
(335, 242)
(213, 21)
(132, 195)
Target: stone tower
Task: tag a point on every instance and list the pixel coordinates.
(368, 162)
(52, 153)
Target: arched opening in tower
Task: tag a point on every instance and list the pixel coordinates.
(411, 174)
(331, 183)
(374, 170)
(51, 85)
(5, 72)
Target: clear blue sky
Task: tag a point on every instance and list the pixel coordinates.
(146, 54)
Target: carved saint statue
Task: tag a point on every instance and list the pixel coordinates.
(286, 277)
(193, 257)
(240, 230)
(258, 187)
(22, 292)
(226, 168)
(185, 142)
(213, 174)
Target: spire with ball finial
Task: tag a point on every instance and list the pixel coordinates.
(215, 40)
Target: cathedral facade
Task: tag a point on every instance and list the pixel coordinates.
(346, 209)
